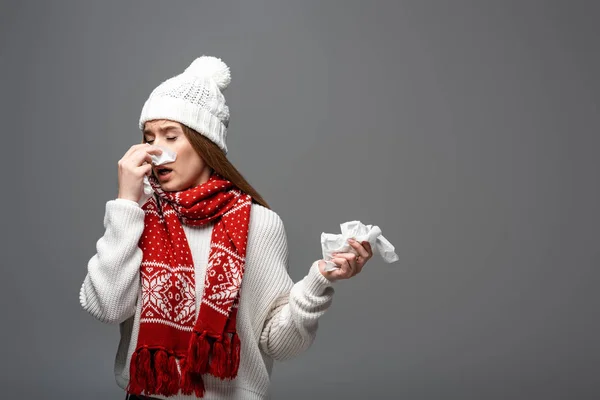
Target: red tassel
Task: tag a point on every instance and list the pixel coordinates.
(162, 371)
(227, 349)
(198, 385)
(198, 350)
(218, 362)
(173, 386)
(192, 383)
(145, 372)
(202, 355)
(236, 347)
(192, 353)
(186, 383)
(134, 386)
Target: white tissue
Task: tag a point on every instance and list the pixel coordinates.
(332, 243)
(165, 157)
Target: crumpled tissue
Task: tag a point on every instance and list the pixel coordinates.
(165, 157)
(337, 243)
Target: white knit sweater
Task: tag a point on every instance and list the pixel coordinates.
(276, 320)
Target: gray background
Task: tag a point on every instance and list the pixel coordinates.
(467, 130)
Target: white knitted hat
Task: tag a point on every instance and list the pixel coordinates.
(194, 98)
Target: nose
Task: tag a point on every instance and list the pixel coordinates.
(158, 141)
(162, 143)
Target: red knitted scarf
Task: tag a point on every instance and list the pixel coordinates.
(169, 329)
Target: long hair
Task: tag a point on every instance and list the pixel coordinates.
(216, 159)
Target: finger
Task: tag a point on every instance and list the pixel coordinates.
(368, 247)
(337, 274)
(142, 149)
(359, 265)
(135, 147)
(359, 248)
(346, 270)
(353, 261)
(346, 256)
(356, 265)
(140, 156)
(340, 274)
(146, 153)
(147, 168)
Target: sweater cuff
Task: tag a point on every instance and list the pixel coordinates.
(315, 282)
(123, 213)
(126, 201)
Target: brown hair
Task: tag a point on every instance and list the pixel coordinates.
(216, 159)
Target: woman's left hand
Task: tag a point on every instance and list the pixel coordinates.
(349, 263)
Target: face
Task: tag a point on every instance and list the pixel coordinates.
(189, 169)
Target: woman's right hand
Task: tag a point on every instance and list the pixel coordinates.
(132, 167)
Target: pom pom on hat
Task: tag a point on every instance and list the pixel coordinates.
(211, 67)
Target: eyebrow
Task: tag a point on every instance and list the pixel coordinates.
(161, 129)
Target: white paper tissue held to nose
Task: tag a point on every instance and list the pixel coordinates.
(165, 157)
(332, 243)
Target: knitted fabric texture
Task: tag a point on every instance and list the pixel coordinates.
(195, 99)
(169, 328)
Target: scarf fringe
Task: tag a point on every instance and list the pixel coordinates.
(155, 371)
(198, 351)
(174, 376)
(219, 357)
(218, 363)
(167, 375)
(235, 355)
(192, 383)
(142, 377)
(134, 386)
(162, 372)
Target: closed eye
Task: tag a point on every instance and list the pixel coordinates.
(169, 138)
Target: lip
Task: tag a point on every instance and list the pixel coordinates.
(157, 167)
(161, 166)
(163, 177)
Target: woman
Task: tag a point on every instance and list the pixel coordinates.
(197, 275)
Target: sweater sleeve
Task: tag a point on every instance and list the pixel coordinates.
(111, 287)
(293, 318)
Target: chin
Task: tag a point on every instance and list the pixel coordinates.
(168, 186)
(173, 186)
(176, 185)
